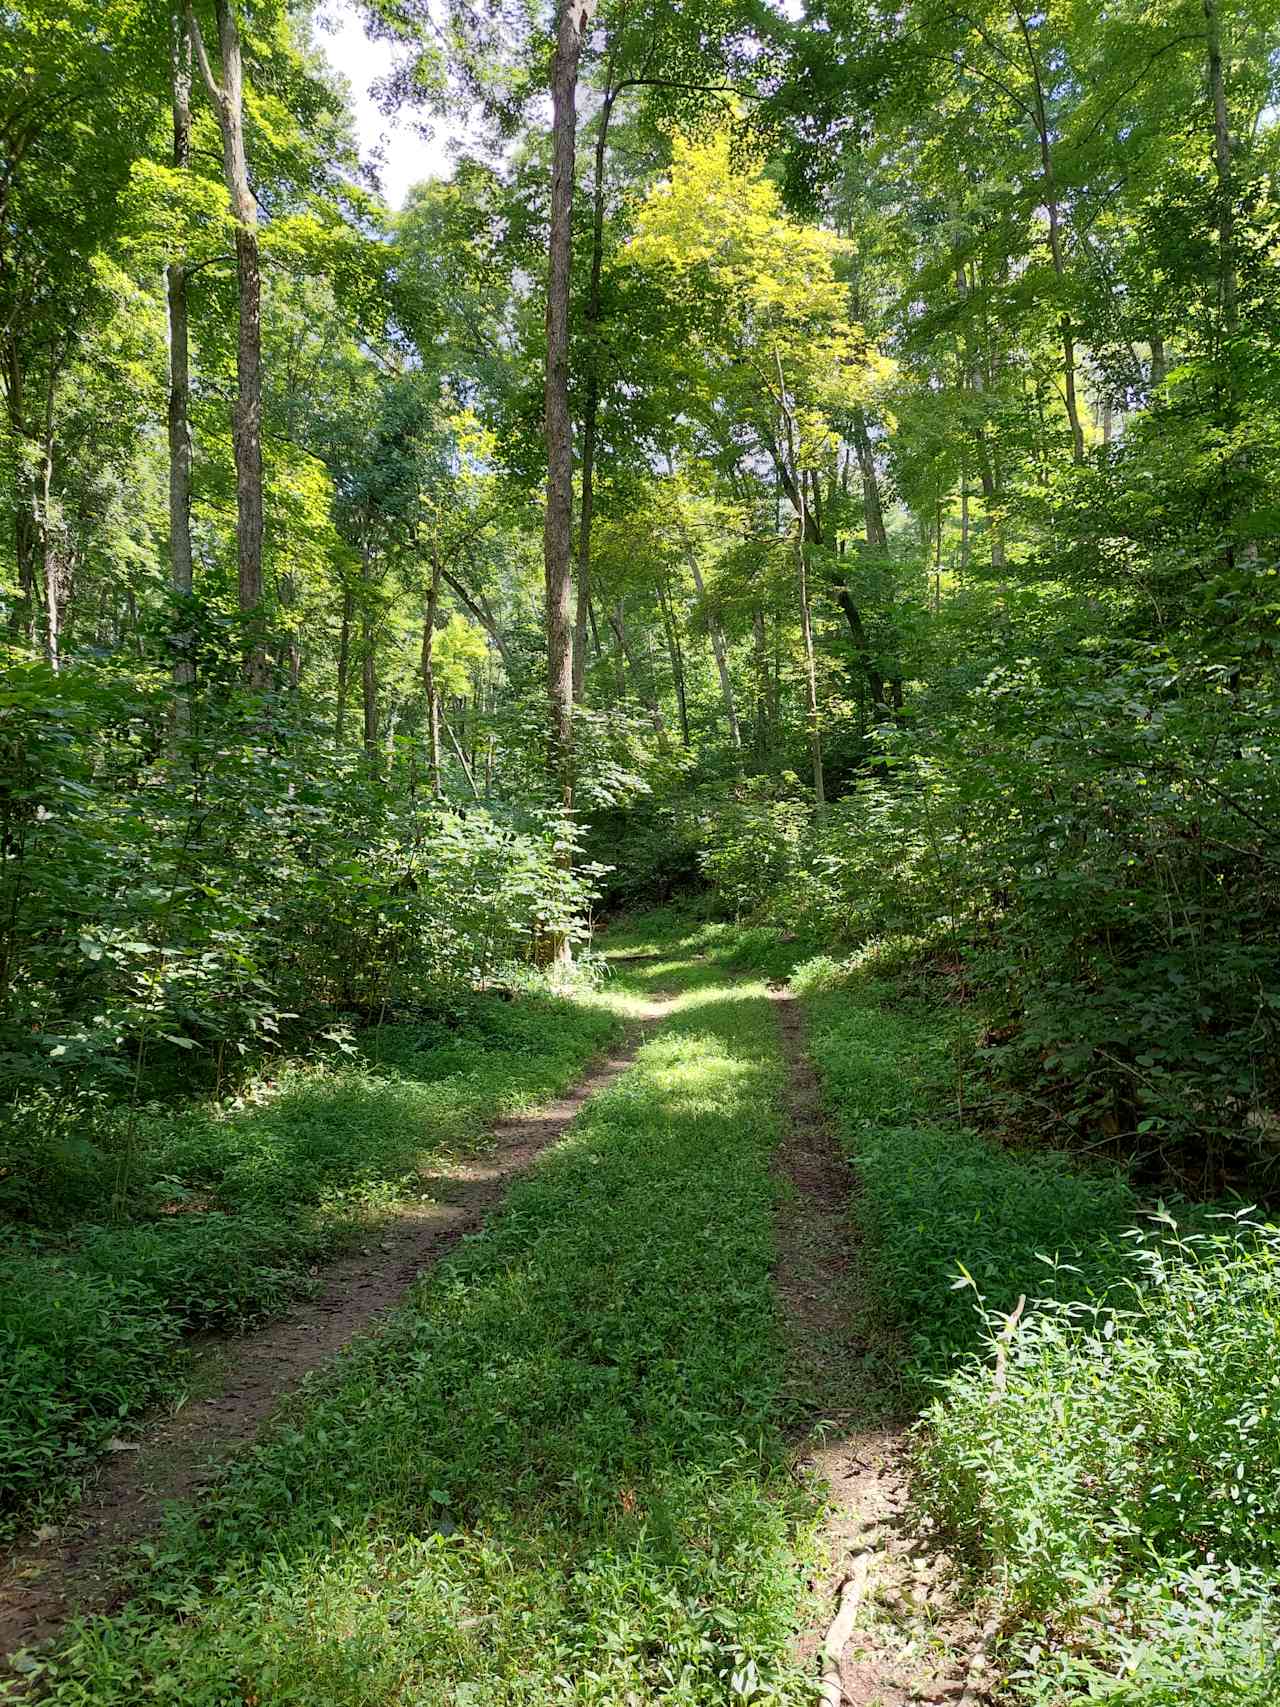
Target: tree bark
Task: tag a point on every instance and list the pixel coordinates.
(1228, 285)
(227, 98)
(574, 17)
(802, 587)
(1055, 243)
(429, 680)
(591, 403)
(179, 421)
(1159, 362)
(877, 536)
(44, 532)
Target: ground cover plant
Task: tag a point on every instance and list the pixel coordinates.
(212, 1215)
(561, 1471)
(1100, 1445)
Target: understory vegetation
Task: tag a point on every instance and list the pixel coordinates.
(1100, 1438)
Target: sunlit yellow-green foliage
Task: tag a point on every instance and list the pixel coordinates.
(764, 293)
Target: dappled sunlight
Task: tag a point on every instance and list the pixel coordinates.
(566, 1442)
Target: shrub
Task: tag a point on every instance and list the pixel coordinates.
(1123, 1485)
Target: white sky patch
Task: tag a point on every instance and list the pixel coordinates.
(407, 158)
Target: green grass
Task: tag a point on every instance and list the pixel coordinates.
(560, 1474)
(1119, 1494)
(129, 1234)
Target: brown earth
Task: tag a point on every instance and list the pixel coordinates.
(911, 1643)
(76, 1566)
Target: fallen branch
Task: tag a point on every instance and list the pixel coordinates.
(852, 1590)
(1004, 1342)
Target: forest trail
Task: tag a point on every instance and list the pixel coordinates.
(626, 1466)
(238, 1380)
(910, 1643)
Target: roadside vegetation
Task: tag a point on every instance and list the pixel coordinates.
(1094, 1367)
(155, 1223)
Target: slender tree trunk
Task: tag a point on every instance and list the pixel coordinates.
(369, 685)
(1055, 247)
(227, 98)
(179, 413)
(344, 662)
(676, 654)
(877, 536)
(429, 680)
(591, 401)
(1159, 362)
(1228, 286)
(718, 647)
(574, 17)
(802, 587)
(368, 663)
(48, 552)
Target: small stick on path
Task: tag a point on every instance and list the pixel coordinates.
(1003, 1344)
(852, 1590)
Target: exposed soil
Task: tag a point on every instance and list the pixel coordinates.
(237, 1382)
(911, 1644)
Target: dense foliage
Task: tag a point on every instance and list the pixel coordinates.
(827, 458)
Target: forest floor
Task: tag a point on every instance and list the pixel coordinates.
(236, 1381)
(621, 1444)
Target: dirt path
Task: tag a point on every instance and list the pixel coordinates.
(76, 1568)
(910, 1645)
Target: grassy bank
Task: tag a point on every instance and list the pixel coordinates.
(560, 1474)
(1107, 1467)
(121, 1239)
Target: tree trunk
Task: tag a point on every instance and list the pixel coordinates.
(1055, 244)
(48, 554)
(179, 409)
(227, 98)
(344, 661)
(802, 587)
(574, 16)
(1228, 286)
(591, 402)
(369, 684)
(1159, 362)
(429, 680)
(718, 649)
(877, 537)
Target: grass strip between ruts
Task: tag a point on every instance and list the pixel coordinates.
(558, 1475)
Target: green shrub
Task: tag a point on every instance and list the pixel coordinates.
(1123, 1485)
(79, 1353)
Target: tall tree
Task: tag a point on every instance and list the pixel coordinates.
(573, 19)
(226, 93)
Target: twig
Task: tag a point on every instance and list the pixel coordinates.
(1005, 1340)
(852, 1590)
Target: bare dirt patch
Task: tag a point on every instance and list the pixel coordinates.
(237, 1382)
(911, 1643)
